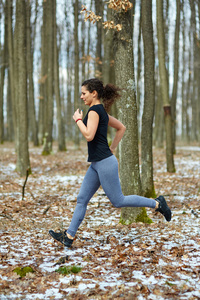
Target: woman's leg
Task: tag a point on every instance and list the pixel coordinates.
(108, 174)
(88, 188)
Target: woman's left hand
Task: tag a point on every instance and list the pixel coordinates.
(78, 115)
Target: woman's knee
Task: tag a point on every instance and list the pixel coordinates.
(116, 202)
(82, 201)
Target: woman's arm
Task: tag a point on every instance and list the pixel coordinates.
(88, 131)
(113, 122)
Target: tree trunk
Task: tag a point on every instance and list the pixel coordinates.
(176, 72)
(164, 87)
(2, 75)
(183, 73)
(98, 65)
(42, 116)
(10, 129)
(139, 68)
(61, 132)
(33, 126)
(9, 5)
(149, 101)
(50, 103)
(108, 54)
(127, 113)
(158, 132)
(83, 33)
(76, 73)
(196, 67)
(23, 163)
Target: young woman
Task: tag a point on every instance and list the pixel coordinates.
(104, 165)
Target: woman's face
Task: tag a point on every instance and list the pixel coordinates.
(86, 96)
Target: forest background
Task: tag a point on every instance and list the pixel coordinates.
(150, 49)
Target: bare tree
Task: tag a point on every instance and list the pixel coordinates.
(127, 113)
(3, 60)
(61, 132)
(33, 126)
(149, 100)
(98, 65)
(76, 66)
(49, 79)
(164, 86)
(176, 71)
(23, 162)
(9, 6)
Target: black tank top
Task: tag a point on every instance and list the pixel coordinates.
(98, 148)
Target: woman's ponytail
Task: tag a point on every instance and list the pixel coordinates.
(110, 95)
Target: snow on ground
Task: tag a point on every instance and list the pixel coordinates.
(139, 261)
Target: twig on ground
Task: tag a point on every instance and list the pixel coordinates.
(23, 188)
(46, 210)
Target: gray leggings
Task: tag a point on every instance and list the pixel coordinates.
(104, 173)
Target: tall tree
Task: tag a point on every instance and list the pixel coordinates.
(9, 8)
(61, 132)
(9, 114)
(139, 68)
(164, 86)
(176, 71)
(42, 116)
(33, 126)
(3, 60)
(50, 80)
(76, 67)
(127, 112)
(108, 52)
(158, 132)
(149, 100)
(195, 136)
(23, 162)
(99, 12)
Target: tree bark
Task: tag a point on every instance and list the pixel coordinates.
(61, 131)
(158, 132)
(127, 113)
(196, 78)
(149, 100)
(164, 86)
(9, 5)
(33, 126)
(48, 139)
(108, 52)
(76, 72)
(98, 65)
(176, 72)
(2, 76)
(23, 162)
(42, 116)
(139, 69)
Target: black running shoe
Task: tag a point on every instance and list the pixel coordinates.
(61, 237)
(164, 208)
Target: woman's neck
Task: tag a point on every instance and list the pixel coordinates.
(96, 102)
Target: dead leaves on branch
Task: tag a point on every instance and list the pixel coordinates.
(116, 5)
(120, 5)
(90, 15)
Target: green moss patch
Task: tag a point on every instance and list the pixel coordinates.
(23, 271)
(68, 270)
(143, 217)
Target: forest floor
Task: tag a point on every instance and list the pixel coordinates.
(139, 261)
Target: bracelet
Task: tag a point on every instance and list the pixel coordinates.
(78, 120)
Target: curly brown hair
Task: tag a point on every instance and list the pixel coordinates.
(109, 93)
